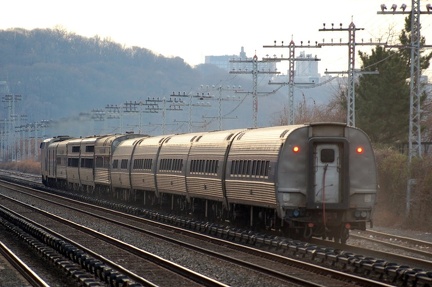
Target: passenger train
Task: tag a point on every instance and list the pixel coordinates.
(315, 179)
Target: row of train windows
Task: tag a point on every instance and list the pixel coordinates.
(204, 166)
(165, 164)
(123, 164)
(77, 148)
(102, 161)
(251, 168)
(142, 163)
(238, 167)
(168, 164)
(85, 162)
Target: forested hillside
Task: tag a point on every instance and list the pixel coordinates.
(60, 74)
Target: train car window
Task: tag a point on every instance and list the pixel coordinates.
(266, 168)
(247, 168)
(258, 169)
(73, 162)
(75, 149)
(138, 163)
(327, 155)
(254, 165)
(177, 165)
(148, 163)
(87, 162)
(174, 164)
(240, 167)
(201, 166)
(124, 164)
(233, 166)
(115, 163)
(89, 148)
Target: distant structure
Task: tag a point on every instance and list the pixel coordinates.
(306, 71)
(223, 62)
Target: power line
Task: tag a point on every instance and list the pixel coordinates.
(414, 133)
(255, 71)
(291, 60)
(351, 62)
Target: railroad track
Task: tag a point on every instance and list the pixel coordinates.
(275, 268)
(99, 252)
(410, 245)
(22, 269)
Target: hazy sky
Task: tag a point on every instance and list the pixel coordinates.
(192, 29)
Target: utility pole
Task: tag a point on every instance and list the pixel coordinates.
(132, 107)
(291, 46)
(414, 137)
(191, 96)
(351, 62)
(220, 99)
(115, 112)
(414, 131)
(174, 105)
(11, 101)
(255, 71)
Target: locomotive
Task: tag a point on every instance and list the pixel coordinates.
(315, 179)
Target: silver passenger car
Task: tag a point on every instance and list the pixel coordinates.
(206, 164)
(103, 151)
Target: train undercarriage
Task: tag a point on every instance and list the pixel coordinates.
(238, 215)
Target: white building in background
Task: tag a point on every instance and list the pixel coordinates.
(306, 71)
(224, 62)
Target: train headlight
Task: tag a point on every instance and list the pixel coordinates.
(359, 150)
(296, 213)
(363, 214)
(296, 149)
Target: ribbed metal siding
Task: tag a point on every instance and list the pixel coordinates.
(254, 193)
(170, 183)
(201, 185)
(146, 149)
(257, 144)
(102, 176)
(211, 146)
(143, 181)
(209, 188)
(176, 148)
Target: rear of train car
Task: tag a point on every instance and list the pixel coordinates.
(326, 180)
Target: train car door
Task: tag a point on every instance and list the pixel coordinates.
(327, 166)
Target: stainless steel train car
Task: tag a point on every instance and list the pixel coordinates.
(79, 163)
(316, 179)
